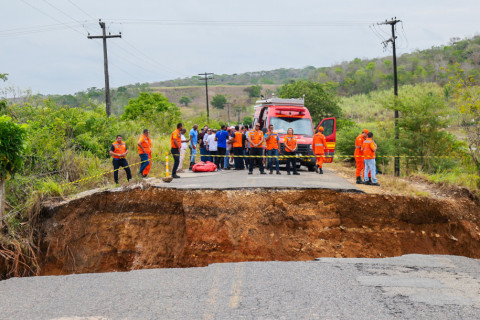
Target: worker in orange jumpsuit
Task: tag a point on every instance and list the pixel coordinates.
(145, 153)
(359, 159)
(319, 144)
(291, 146)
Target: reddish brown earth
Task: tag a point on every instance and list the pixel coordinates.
(156, 228)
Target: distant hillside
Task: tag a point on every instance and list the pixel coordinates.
(277, 76)
(239, 101)
(359, 76)
(431, 65)
(366, 75)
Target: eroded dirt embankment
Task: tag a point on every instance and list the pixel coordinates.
(155, 227)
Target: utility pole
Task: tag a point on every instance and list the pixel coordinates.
(108, 101)
(392, 23)
(206, 77)
(228, 111)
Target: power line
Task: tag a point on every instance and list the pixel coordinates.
(129, 60)
(168, 69)
(53, 18)
(253, 23)
(79, 8)
(376, 33)
(61, 11)
(39, 29)
(121, 68)
(126, 72)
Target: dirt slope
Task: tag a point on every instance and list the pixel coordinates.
(154, 227)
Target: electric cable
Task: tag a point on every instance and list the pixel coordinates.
(153, 61)
(51, 17)
(79, 8)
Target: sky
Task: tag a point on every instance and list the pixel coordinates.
(44, 46)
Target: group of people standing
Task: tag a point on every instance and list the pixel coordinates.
(249, 146)
(365, 149)
(119, 151)
(240, 141)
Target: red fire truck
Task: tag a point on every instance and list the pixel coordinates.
(292, 113)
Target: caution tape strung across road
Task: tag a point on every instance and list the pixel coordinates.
(280, 157)
(324, 156)
(107, 172)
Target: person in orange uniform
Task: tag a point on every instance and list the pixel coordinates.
(118, 151)
(290, 142)
(369, 147)
(272, 140)
(359, 159)
(256, 139)
(145, 153)
(176, 144)
(237, 139)
(319, 145)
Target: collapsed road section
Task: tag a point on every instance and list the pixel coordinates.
(150, 227)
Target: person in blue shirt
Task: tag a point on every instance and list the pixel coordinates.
(221, 138)
(193, 144)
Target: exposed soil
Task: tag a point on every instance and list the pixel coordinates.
(155, 227)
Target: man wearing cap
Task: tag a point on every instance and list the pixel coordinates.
(359, 159)
(319, 144)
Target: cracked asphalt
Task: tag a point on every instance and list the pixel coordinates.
(407, 287)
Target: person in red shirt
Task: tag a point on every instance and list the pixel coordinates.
(176, 144)
(145, 153)
(290, 142)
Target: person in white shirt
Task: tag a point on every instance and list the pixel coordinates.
(212, 145)
(183, 149)
(205, 137)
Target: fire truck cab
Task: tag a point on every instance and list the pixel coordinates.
(292, 113)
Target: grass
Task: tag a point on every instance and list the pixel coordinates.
(455, 178)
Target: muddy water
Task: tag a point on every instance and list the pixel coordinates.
(156, 228)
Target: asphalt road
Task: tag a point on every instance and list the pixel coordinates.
(408, 287)
(232, 179)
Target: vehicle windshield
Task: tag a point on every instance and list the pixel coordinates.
(300, 126)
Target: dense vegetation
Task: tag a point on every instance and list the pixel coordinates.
(431, 141)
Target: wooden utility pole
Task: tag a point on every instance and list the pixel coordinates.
(228, 111)
(392, 23)
(108, 101)
(206, 77)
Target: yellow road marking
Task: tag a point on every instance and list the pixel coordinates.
(236, 293)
